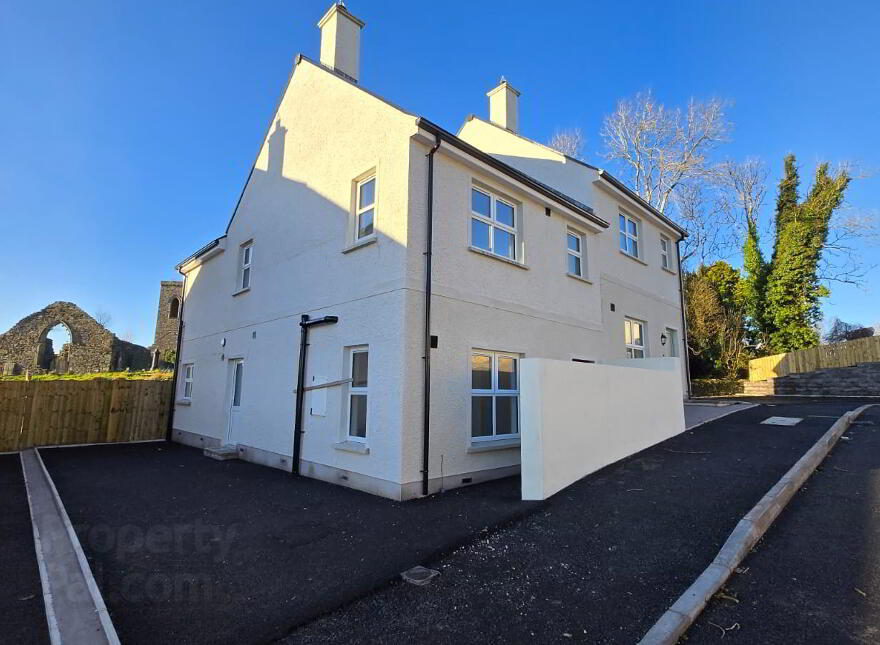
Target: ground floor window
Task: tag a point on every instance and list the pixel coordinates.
(187, 381)
(494, 394)
(634, 336)
(672, 341)
(358, 394)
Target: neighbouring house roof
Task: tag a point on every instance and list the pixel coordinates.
(604, 174)
(210, 245)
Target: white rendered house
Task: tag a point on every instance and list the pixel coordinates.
(405, 241)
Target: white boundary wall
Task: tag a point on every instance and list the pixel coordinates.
(579, 417)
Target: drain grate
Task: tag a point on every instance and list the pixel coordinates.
(781, 421)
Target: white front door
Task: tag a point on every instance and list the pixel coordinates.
(236, 376)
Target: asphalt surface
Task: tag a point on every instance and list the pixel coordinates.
(22, 616)
(603, 559)
(187, 549)
(815, 576)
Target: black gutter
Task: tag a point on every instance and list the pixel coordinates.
(170, 429)
(551, 193)
(304, 325)
(684, 325)
(429, 248)
(210, 245)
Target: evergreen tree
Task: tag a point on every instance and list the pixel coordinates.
(752, 287)
(793, 288)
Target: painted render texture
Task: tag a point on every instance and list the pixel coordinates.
(297, 211)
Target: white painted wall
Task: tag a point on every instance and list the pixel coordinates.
(578, 418)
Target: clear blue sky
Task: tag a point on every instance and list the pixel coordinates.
(127, 129)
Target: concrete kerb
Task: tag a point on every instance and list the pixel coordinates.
(681, 615)
(98, 600)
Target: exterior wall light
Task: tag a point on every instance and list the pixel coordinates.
(663, 339)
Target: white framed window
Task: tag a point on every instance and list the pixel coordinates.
(672, 341)
(358, 394)
(246, 257)
(493, 224)
(629, 235)
(576, 256)
(665, 262)
(365, 208)
(188, 370)
(634, 337)
(494, 395)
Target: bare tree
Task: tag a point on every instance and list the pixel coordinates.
(661, 148)
(746, 188)
(571, 142)
(103, 317)
(842, 260)
(711, 231)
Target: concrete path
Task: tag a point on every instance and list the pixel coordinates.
(604, 558)
(815, 577)
(698, 413)
(73, 612)
(22, 619)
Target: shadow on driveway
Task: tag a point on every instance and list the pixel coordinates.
(186, 549)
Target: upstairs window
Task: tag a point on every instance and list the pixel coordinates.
(664, 253)
(576, 257)
(366, 208)
(494, 395)
(634, 337)
(629, 235)
(493, 224)
(246, 255)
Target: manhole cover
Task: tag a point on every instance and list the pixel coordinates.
(782, 421)
(419, 575)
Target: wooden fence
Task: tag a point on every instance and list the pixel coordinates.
(55, 413)
(852, 352)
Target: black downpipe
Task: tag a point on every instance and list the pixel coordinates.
(429, 244)
(684, 325)
(304, 325)
(169, 431)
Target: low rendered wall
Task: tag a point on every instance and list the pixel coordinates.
(579, 417)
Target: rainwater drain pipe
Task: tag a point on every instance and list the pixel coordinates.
(429, 244)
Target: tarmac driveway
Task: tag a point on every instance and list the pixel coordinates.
(186, 549)
(605, 557)
(22, 617)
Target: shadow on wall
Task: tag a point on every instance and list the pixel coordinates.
(299, 267)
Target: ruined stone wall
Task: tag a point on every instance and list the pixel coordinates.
(92, 347)
(168, 316)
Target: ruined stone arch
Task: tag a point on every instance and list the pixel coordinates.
(44, 359)
(92, 347)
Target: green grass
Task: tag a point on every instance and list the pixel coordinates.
(143, 375)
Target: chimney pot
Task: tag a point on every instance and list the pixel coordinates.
(341, 41)
(503, 109)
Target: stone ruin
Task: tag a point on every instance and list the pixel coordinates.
(92, 347)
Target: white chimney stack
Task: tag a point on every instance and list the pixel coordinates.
(341, 41)
(503, 106)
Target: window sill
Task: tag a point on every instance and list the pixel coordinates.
(500, 258)
(489, 445)
(633, 258)
(668, 270)
(183, 402)
(364, 241)
(240, 291)
(579, 277)
(357, 447)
